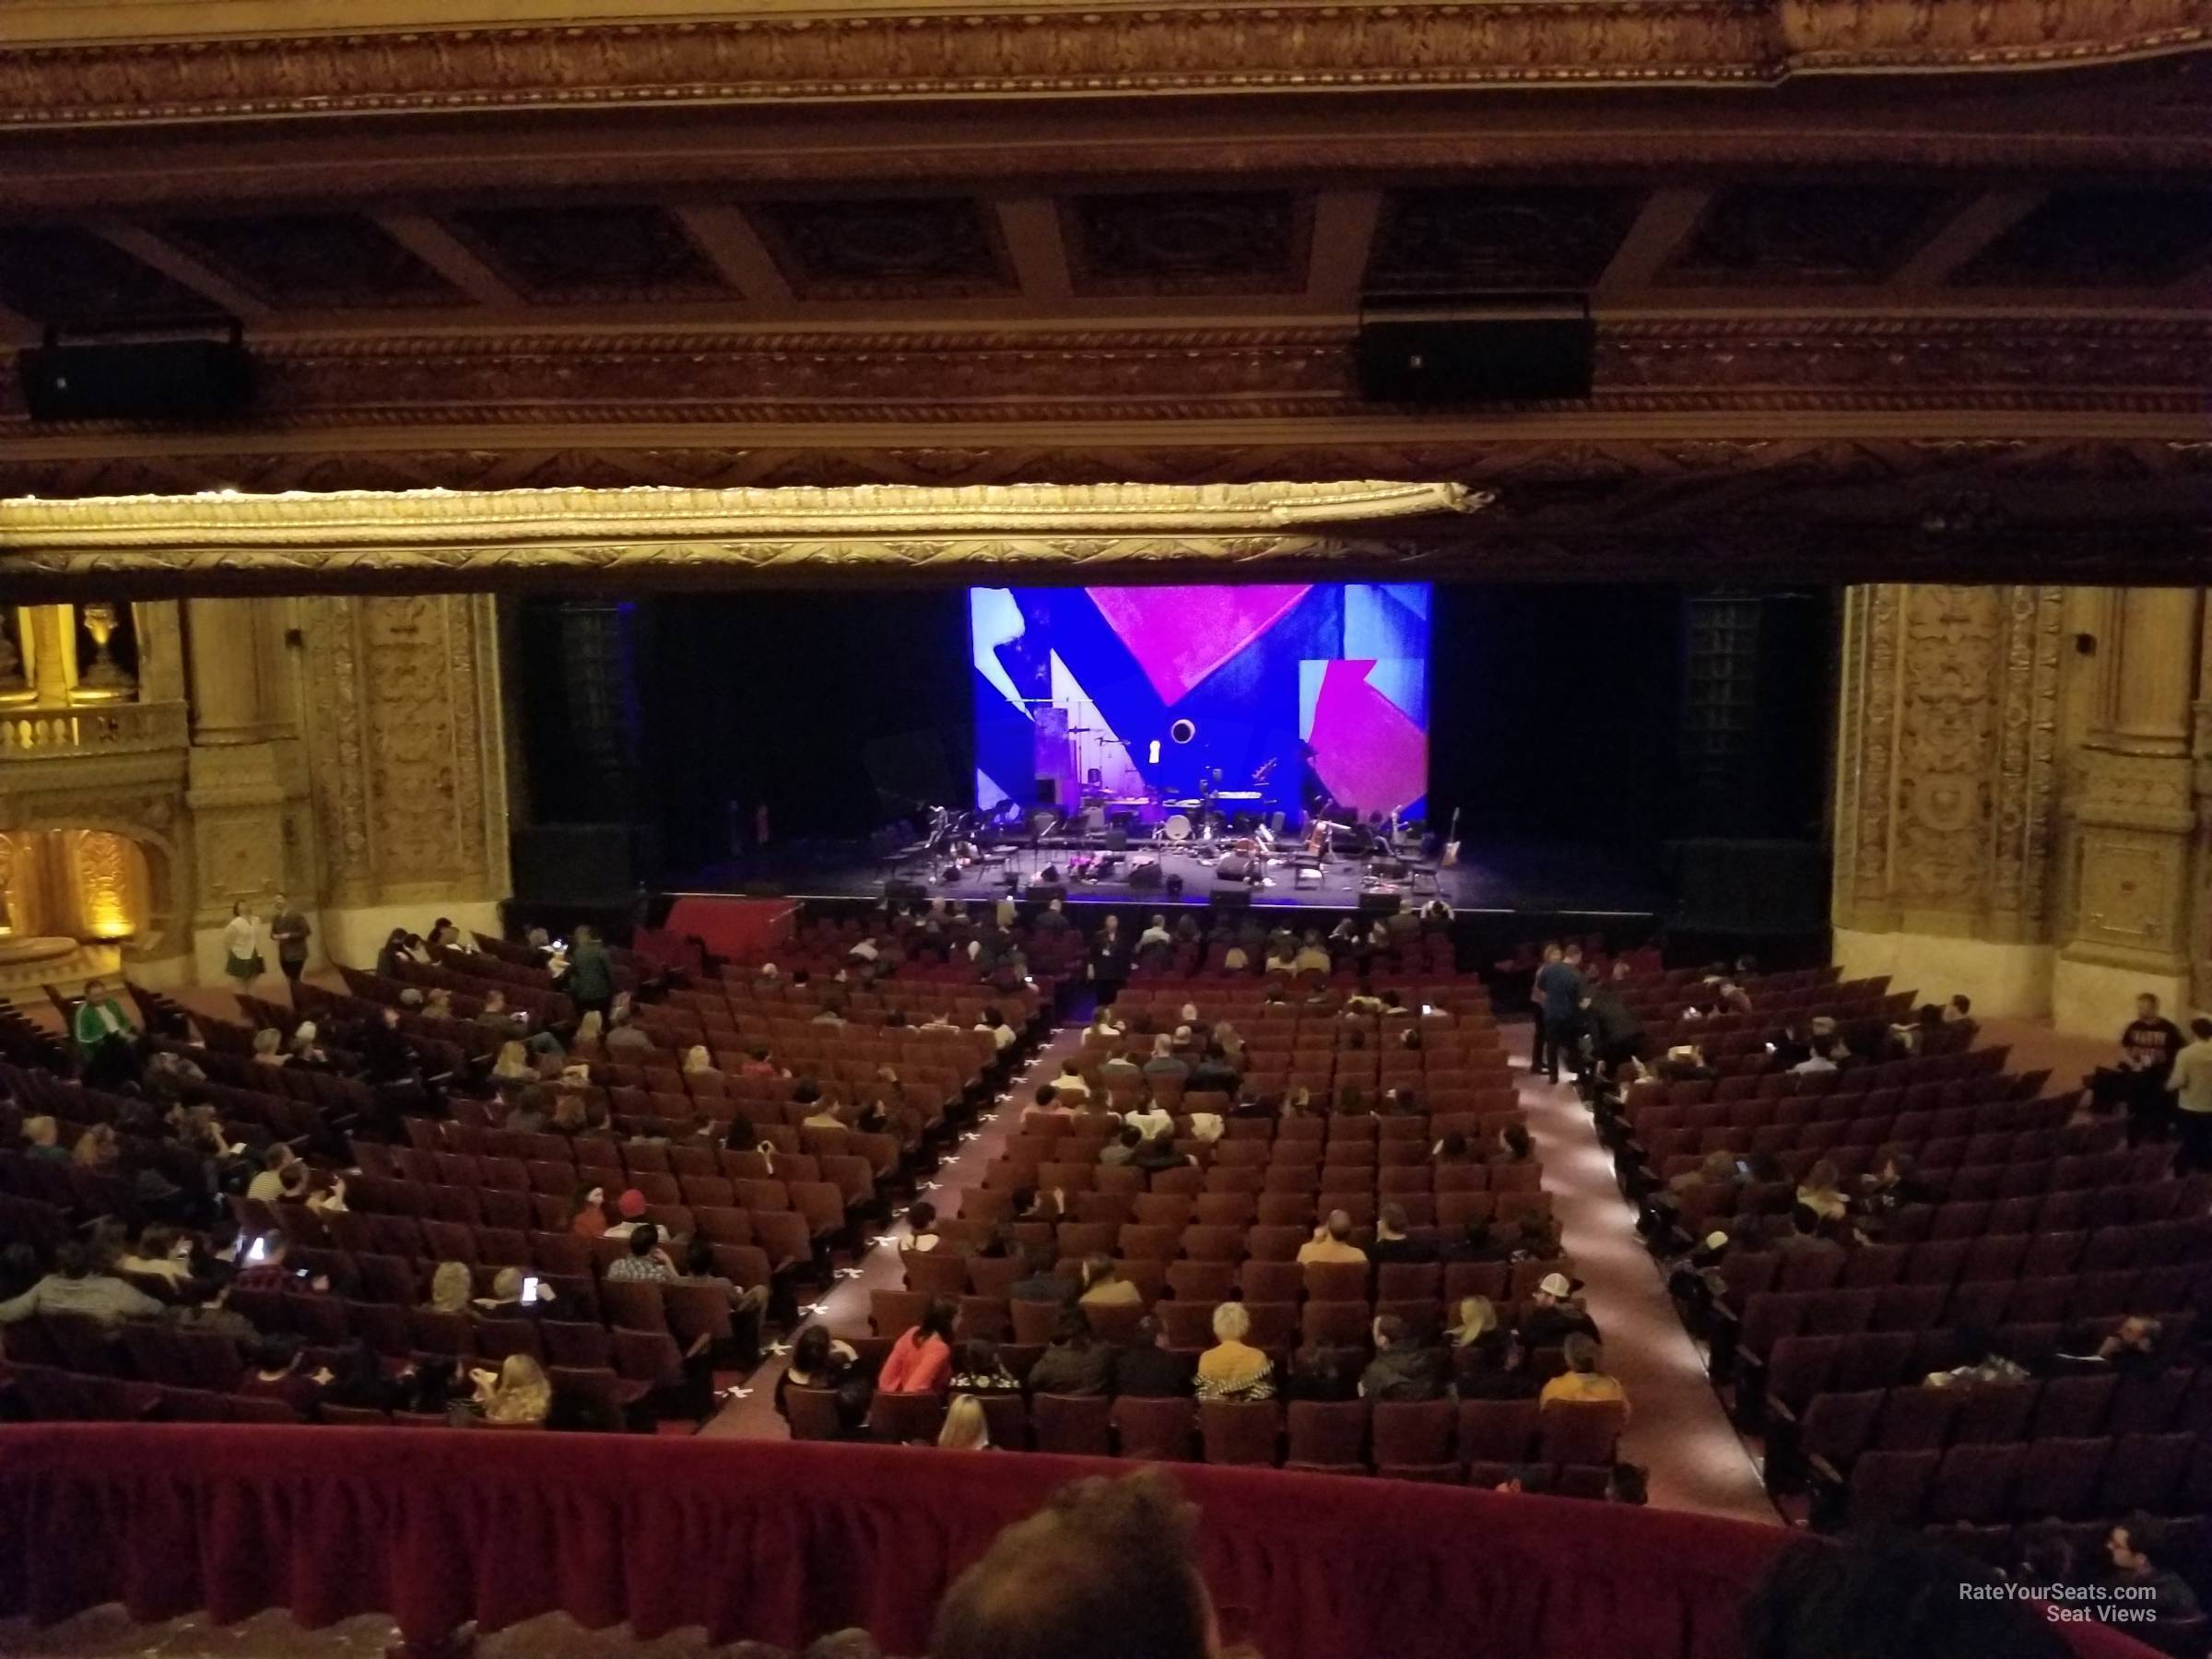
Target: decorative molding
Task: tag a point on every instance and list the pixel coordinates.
(1752, 367)
(1947, 760)
(971, 53)
(583, 515)
(406, 771)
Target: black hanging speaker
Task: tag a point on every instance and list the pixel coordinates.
(135, 380)
(1494, 349)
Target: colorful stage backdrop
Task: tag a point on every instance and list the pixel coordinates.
(1290, 697)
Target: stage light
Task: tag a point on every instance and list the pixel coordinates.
(1182, 730)
(1153, 759)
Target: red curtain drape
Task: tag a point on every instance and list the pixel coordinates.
(780, 1541)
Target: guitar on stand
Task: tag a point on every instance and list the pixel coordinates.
(1449, 858)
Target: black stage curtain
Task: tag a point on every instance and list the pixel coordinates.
(1555, 712)
(823, 707)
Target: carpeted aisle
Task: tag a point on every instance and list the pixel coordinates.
(1676, 1428)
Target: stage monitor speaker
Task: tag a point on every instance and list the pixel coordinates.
(1507, 349)
(899, 891)
(1379, 904)
(1750, 886)
(1044, 891)
(1235, 867)
(1230, 898)
(1175, 887)
(1146, 879)
(135, 380)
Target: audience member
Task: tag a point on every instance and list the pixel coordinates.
(1332, 1242)
(1147, 1368)
(1581, 1381)
(920, 1359)
(1076, 1362)
(1233, 1368)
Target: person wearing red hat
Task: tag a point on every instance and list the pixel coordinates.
(631, 1207)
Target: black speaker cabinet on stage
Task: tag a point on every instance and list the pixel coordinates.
(1146, 879)
(1237, 897)
(1379, 904)
(1234, 867)
(1503, 348)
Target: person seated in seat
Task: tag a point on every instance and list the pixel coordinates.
(72, 1288)
(1104, 1287)
(920, 1359)
(1123, 1149)
(274, 1372)
(981, 1369)
(451, 1287)
(2130, 1348)
(1148, 1368)
(1077, 1363)
(1324, 1372)
(1233, 1368)
(1803, 1236)
(647, 1262)
(1821, 1192)
(1332, 1242)
(1159, 1153)
(1582, 1380)
(966, 1429)
(921, 1227)
(1554, 1315)
(516, 1394)
(1402, 1370)
(818, 1360)
(1894, 1594)
(1515, 1146)
(2137, 1550)
(1151, 1119)
(1105, 1570)
(1391, 1242)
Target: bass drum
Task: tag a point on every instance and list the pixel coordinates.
(1177, 827)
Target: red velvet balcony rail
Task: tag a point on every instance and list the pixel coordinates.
(779, 1541)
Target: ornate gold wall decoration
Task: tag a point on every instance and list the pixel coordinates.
(928, 52)
(1947, 757)
(408, 784)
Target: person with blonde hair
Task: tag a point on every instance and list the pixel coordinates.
(268, 1047)
(42, 1138)
(97, 1148)
(514, 1064)
(1233, 1368)
(697, 1059)
(451, 1287)
(1821, 1192)
(1478, 1319)
(966, 1428)
(519, 1391)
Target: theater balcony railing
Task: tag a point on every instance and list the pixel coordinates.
(91, 729)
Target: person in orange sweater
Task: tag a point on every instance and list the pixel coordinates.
(1582, 1380)
(921, 1360)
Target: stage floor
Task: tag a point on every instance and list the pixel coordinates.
(1504, 878)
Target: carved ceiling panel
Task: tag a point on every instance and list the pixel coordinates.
(891, 248)
(336, 260)
(1254, 241)
(1454, 240)
(61, 274)
(591, 254)
(2100, 237)
(1792, 233)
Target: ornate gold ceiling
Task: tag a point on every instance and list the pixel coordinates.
(1851, 265)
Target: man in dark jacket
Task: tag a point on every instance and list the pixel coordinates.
(1148, 1368)
(1077, 1363)
(1402, 1369)
(590, 978)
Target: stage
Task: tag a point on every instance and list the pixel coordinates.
(1537, 879)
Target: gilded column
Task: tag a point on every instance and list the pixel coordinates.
(2134, 817)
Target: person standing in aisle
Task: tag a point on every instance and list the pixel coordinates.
(1559, 1001)
(241, 946)
(289, 932)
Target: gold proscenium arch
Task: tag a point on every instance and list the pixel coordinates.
(435, 540)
